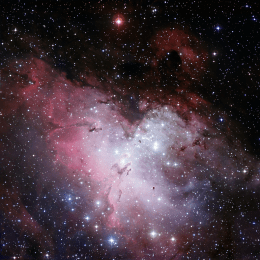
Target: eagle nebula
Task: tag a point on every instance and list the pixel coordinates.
(120, 156)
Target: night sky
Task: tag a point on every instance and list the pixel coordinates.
(129, 130)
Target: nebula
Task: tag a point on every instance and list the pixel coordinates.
(130, 164)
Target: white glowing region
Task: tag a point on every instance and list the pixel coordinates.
(153, 234)
(156, 146)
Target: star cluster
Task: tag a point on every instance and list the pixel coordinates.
(129, 130)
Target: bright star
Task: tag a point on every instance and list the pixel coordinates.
(153, 234)
(155, 146)
(112, 241)
(118, 21)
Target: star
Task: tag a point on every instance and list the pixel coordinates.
(112, 241)
(153, 234)
(118, 21)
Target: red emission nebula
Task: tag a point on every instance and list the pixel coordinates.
(124, 164)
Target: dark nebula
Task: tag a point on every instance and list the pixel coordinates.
(131, 140)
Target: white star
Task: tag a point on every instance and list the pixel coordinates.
(155, 146)
(153, 234)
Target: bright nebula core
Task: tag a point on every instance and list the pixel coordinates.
(125, 160)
